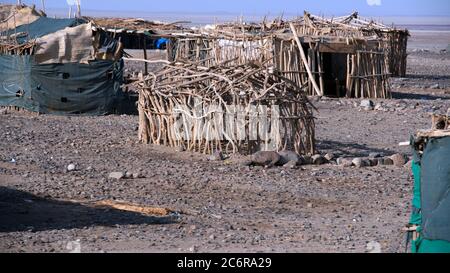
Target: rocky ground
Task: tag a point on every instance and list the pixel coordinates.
(224, 206)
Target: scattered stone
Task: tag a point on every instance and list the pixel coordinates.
(287, 156)
(387, 161)
(341, 161)
(373, 247)
(128, 174)
(116, 175)
(306, 159)
(216, 156)
(435, 86)
(290, 165)
(193, 249)
(318, 159)
(367, 105)
(71, 167)
(180, 149)
(329, 156)
(398, 160)
(136, 175)
(374, 155)
(309, 205)
(373, 161)
(379, 107)
(357, 162)
(265, 158)
(366, 163)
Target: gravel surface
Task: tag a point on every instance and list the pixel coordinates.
(46, 161)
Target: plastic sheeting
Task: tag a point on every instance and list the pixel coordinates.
(15, 82)
(435, 189)
(41, 27)
(72, 44)
(431, 197)
(71, 88)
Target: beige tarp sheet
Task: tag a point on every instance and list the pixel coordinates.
(12, 16)
(72, 44)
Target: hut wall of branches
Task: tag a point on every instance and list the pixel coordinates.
(394, 41)
(243, 108)
(355, 68)
(352, 67)
(210, 50)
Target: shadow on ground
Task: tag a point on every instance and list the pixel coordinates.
(427, 77)
(22, 211)
(412, 96)
(350, 149)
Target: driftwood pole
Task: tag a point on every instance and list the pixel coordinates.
(305, 62)
(145, 56)
(78, 9)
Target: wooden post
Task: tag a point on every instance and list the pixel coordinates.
(78, 9)
(143, 120)
(43, 5)
(320, 69)
(305, 62)
(145, 56)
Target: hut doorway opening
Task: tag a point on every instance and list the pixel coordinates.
(335, 74)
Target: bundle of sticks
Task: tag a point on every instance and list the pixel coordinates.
(7, 48)
(241, 108)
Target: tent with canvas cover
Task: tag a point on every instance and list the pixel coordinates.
(59, 66)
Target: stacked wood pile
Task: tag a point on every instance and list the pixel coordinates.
(241, 108)
(13, 48)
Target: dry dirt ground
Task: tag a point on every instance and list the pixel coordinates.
(226, 206)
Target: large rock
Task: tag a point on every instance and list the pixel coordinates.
(398, 160)
(366, 162)
(216, 156)
(265, 158)
(116, 175)
(367, 105)
(373, 161)
(71, 167)
(379, 106)
(291, 164)
(306, 159)
(318, 159)
(287, 156)
(329, 156)
(344, 162)
(358, 162)
(435, 86)
(387, 161)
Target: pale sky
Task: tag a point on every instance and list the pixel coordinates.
(393, 9)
